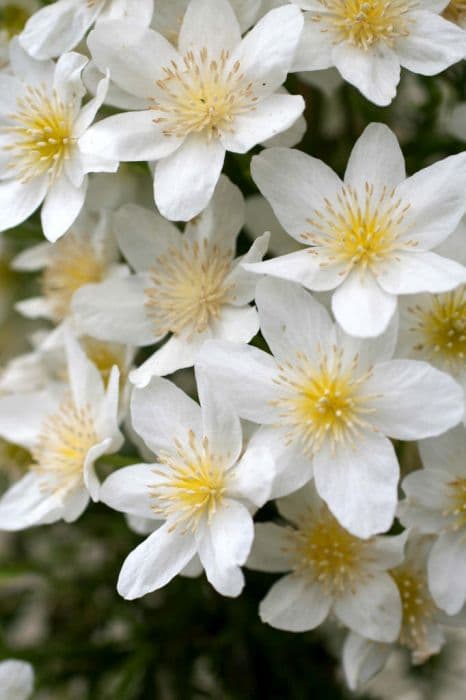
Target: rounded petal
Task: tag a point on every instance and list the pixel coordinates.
(221, 222)
(361, 306)
(176, 353)
(268, 551)
(447, 572)
(211, 24)
(376, 159)
(16, 679)
(61, 207)
(314, 50)
(375, 72)
(155, 562)
(362, 659)
(294, 605)
(220, 422)
(26, 504)
(413, 273)
(18, 200)
(431, 45)
(128, 490)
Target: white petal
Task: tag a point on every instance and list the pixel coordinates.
(295, 184)
(185, 181)
(373, 609)
(224, 546)
(161, 413)
(362, 659)
(143, 235)
(405, 410)
(314, 51)
(361, 306)
(236, 324)
(220, 422)
(294, 605)
(84, 378)
(359, 484)
(445, 452)
(114, 310)
(270, 117)
(431, 45)
(244, 282)
(18, 200)
(61, 207)
(246, 376)
(268, 551)
(128, 490)
(67, 78)
(22, 415)
(447, 572)
(26, 504)
(130, 136)
(16, 679)
(155, 562)
(221, 222)
(36, 307)
(211, 24)
(252, 478)
(74, 504)
(90, 109)
(376, 159)
(176, 353)
(375, 72)
(412, 273)
(34, 258)
(436, 198)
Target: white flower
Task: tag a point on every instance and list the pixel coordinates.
(16, 680)
(13, 16)
(187, 284)
(331, 570)
(202, 487)
(87, 254)
(436, 503)
(422, 622)
(216, 93)
(66, 429)
(41, 121)
(369, 236)
(368, 41)
(59, 27)
(327, 401)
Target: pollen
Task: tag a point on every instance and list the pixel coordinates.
(440, 327)
(418, 608)
(202, 94)
(358, 230)
(365, 23)
(191, 483)
(74, 262)
(456, 513)
(323, 401)
(455, 11)
(325, 553)
(189, 287)
(64, 441)
(41, 134)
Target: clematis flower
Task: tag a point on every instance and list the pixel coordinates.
(16, 680)
(41, 121)
(422, 626)
(331, 571)
(13, 17)
(369, 41)
(66, 429)
(59, 27)
(371, 235)
(202, 487)
(188, 285)
(327, 402)
(216, 93)
(436, 504)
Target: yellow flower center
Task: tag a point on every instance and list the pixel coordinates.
(105, 356)
(74, 262)
(456, 514)
(440, 325)
(418, 608)
(189, 288)
(325, 553)
(358, 230)
(65, 439)
(323, 402)
(456, 11)
(364, 23)
(193, 484)
(12, 19)
(202, 94)
(42, 134)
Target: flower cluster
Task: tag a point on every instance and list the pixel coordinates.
(314, 354)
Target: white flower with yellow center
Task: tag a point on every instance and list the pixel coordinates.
(188, 285)
(331, 571)
(16, 680)
(13, 16)
(41, 121)
(60, 26)
(436, 504)
(422, 623)
(204, 486)
(370, 236)
(368, 41)
(66, 428)
(86, 254)
(327, 402)
(216, 93)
